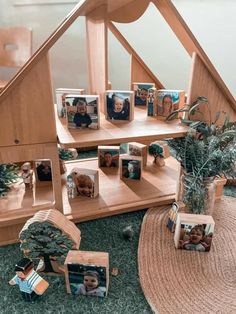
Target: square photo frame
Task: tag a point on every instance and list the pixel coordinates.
(130, 167)
(169, 101)
(108, 156)
(82, 111)
(194, 232)
(85, 181)
(139, 150)
(61, 94)
(119, 105)
(87, 273)
(141, 93)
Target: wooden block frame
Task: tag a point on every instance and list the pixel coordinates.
(86, 182)
(138, 149)
(78, 263)
(112, 153)
(124, 110)
(41, 176)
(61, 93)
(169, 100)
(85, 108)
(131, 167)
(141, 93)
(194, 232)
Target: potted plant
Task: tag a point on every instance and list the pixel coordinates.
(207, 151)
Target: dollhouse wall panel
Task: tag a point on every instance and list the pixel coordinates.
(27, 114)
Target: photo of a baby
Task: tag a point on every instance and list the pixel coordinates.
(82, 111)
(119, 105)
(87, 280)
(196, 237)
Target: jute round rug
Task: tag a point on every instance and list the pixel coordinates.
(179, 281)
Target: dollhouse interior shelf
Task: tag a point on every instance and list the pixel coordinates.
(141, 129)
(157, 187)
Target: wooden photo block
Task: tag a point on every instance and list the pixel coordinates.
(137, 149)
(87, 273)
(119, 105)
(61, 94)
(43, 171)
(108, 156)
(141, 93)
(194, 232)
(130, 167)
(169, 100)
(82, 111)
(86, 182)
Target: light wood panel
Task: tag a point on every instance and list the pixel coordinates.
(27, 114)
(96, 31)
(190, 43)
(202, 83)
(126, 11)
(141, 129)
(158, 186)
(139, 70)
(15, 46)
(23, 153)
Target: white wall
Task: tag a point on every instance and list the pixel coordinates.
(211, 21)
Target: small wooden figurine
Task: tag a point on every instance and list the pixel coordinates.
(71, 187)
(27, 175)
(171, 222)
(157, 152)
(30, 283)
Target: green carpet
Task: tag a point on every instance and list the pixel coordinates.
(124, 295)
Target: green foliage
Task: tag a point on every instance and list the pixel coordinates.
(65, 154)
(8, 175)
(42, 238)
(155, 150)
(207, 150)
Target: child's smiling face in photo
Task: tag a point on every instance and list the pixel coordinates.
(196, 235)
(90, 282)
(118, 106)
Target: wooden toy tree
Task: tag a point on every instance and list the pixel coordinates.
(49, 236)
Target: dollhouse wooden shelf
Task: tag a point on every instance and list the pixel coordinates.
(142, 129)
(157, 187)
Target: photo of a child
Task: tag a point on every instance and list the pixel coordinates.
(141, 93)
(109, 158)
(197, 239)
(131, 169)
(84, 183)
(82, 111)
(168, 101)
(87, 280)
(43, 169)
(118, 105)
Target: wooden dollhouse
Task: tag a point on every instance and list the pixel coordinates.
(28, 134)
